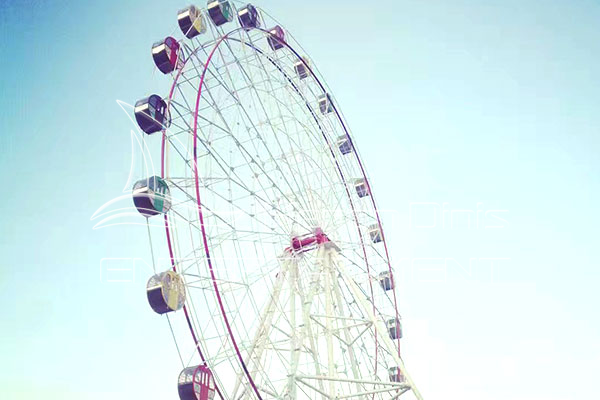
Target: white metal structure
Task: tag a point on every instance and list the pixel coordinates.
(266, 227)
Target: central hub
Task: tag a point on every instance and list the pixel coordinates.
(310, 241)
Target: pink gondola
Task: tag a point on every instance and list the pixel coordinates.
(204, 383)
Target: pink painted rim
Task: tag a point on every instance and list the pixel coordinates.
(166, 218)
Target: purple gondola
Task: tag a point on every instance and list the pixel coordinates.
(276, 37)
(151, 196)
(220, 12)
(165, 54)
(151, 114)
(166, 292)
(248, 17)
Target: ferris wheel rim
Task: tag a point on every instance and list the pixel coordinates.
(199, 203)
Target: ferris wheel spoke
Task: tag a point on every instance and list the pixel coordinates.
(271, 90)
(216, 215)
(238, 182)
(269, 122)
(190, 113)
(294, 191)
(187, 106)
(193, 261)
(216, 193)
(247, 153)
(249, 79)
(286, 83)
(313, 115)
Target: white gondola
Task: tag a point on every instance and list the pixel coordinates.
(344, 144)
(325, 103)
(394, 327)
(301, 68)
(386, 280)
(361, 187)
(396, 375)
(375, 233)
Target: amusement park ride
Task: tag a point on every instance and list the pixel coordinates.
(278, 261)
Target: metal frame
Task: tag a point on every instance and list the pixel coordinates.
(252, 162)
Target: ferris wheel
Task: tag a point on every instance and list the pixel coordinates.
(279, 283)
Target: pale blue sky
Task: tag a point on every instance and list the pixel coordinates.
(472, 105)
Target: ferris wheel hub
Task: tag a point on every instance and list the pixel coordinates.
(309, 241)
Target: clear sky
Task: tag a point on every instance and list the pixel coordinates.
(464, 105)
